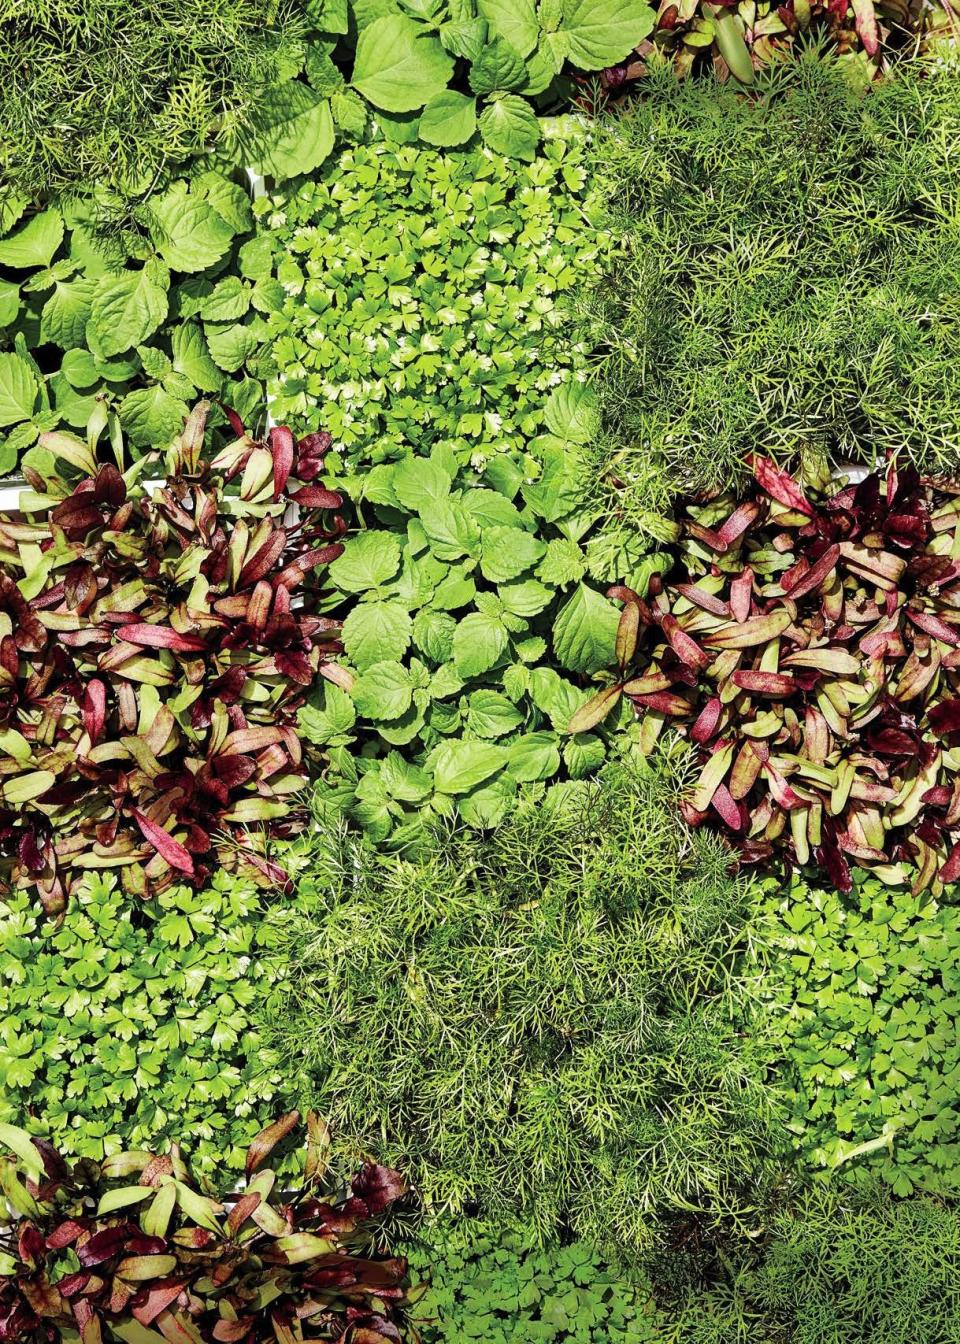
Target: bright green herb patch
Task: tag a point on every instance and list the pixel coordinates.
(500, 1287)
(148, 317)
(870, 990)
(790, 285)
(124, 1028)
(424, 327)
(558, 1021)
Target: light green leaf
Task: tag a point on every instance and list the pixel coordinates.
(449, 119)
(516, 20)
(192, 358)
(128, 308)
(18, 389)
(601, 32)
(229, 200)
(500, 66)
(151, 417)
(583, 753)
(451, 531)
(585, 631)
(509, 126)
(377, 632)
(231, 346)
(571, 412)
(533, 756)
(420, 480)
(490, 714)
(20, 1142)
(478, 643)
(188, 233)
(230, 299)
(9, 302)
(66, 313)
(35, 243)
(384, 691)
(507, 552)
(398, 66)
(459, 766)
(464, 37)
(349, 112)
(155, 363)
(124, 1197)
(369, 560)
(433, 633)
(293, 132)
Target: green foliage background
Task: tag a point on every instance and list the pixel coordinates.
(789, 278)
(128, 1027)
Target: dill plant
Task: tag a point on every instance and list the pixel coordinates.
(787, 278)
(557, 1021)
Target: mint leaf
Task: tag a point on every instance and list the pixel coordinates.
(35, 243)
(418, 481)
(491, 714)
(509, 125)
(377, 632)
(571, 412)
(507, 552)
(500, 66)
(151, 417)
(478, 643)
(128, 308)
(533, 756)
(18, 389)
(293, 131)
(192, 358)
(601, 32)
(516, 20)
(369, 560)
(449, 119)
(188, 233)
(460, 766)
(398, 66)
(585, 631)
(384, 691)
(66, 313)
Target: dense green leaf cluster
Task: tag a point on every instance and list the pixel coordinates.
(870, 991)
(790, 283)
(423, 327)
(149, 316)
(122, 1028)
(557, 1020)
(500, 1287)
(105, 92)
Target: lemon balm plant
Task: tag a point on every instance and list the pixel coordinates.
(151, 657)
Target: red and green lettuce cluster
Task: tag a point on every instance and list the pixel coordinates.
(156, 1261)
(809, 647)
(157, 638)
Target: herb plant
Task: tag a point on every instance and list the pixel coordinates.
(556, 1022)
(497, 1287)
(134, 1248)
(124, 1027)
(808, 649)
(146, 316)
(151, 658)
(789, 279)
(868, 990)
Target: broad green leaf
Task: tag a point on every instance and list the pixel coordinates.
(18, 389)
(350, 112)
(124, 1197)
(35, 243)
(488, 806)
(292, 133)
(66, 313)
(433, 633)
(128, 308)
(231, 347)
(192, 358)
(491, 714)
(533, 756)
(451, 531)
(582, 754)
(500, 66)
(419, 480)
(151, 417)
(464, 37)
(459, 766)
(478, 643)
(377, 632)
(507, 552)
(230, 299)
(601, 32)
(398, 66)
(449, 119)
(155, 363)
(509, 125)
(571, 412)
(188, 233)
(369, 560)
(384, 691)
(229, 200)
(516, 20)
(585, 631)
(20, 1143)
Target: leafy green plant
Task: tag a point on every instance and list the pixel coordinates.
(102, 92)
(868, 991)
(84, 1252)
(806, 643)
(147, 316)
(835, 1267)
(497, 1287)
(125, 1026)
(476, 560)
(558, 1020)
(151, 658)
(788, 284)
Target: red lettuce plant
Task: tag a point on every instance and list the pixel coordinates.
(84, 1256)
(809, 647)
(156, 642)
